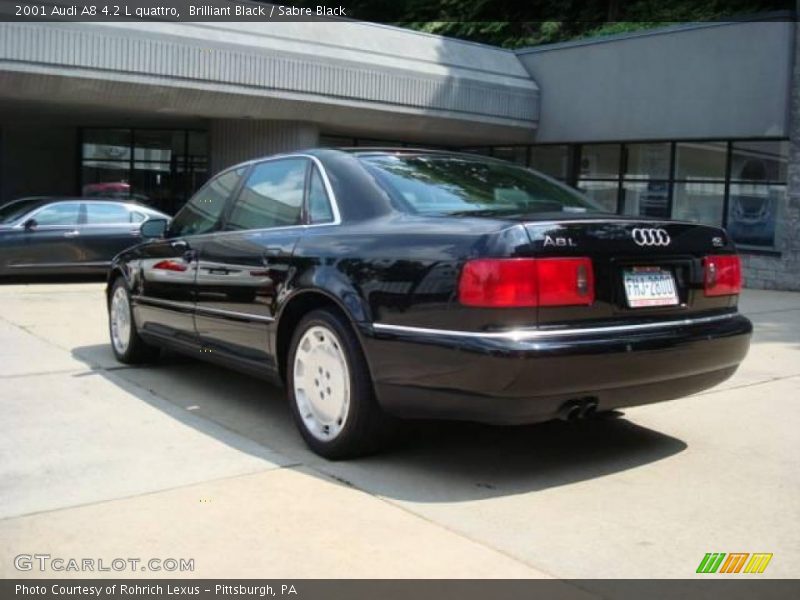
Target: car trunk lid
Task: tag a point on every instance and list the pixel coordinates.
(643, 268)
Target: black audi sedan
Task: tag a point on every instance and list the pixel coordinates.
(56, 236)
(387, 284)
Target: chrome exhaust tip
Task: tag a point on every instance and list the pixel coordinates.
(570, 411)
(589, 409)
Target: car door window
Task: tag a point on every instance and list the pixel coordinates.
(66, 213)
(201, 213)
(319, 205)
(107, 214)
(272, 196)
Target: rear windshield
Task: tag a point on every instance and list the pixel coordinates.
(454, 185)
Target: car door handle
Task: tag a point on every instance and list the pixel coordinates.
(72, 234)
(179, 245)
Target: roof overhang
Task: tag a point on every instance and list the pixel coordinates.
(353, 75)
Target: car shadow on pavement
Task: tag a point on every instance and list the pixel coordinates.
(433, 462)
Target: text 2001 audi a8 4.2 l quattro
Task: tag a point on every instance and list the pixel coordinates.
(378, 284)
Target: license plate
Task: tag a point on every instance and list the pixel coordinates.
(646, 286)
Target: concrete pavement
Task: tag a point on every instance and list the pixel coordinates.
(187, 460)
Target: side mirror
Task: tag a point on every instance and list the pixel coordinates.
(154, 228)
(30, 224)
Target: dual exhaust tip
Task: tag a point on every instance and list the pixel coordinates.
(574, 410)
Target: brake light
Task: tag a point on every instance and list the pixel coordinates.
(722, 275)
(526, 282)
(170, 265)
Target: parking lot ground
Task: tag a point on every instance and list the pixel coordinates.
(187, 460)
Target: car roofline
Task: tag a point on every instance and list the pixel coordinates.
(414, 151)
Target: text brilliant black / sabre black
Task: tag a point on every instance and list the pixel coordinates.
(385, 284)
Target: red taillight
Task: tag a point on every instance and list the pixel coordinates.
(525, 282)
(499, 282)
(565, 281)
(722, 275)
(170, 265)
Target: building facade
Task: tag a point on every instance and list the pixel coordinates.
(691, 122)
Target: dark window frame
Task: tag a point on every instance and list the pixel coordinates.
(175, 169)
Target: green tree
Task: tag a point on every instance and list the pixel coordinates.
(515, 24)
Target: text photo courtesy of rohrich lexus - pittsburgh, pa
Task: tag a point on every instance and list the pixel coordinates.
(414, 299)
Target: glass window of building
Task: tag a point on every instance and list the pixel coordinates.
(646, 198)
(600, 161)
(598, 173)
(699, 190)
(759, 161)
(551, 160)
(699, 202)
(700, 160)
(647, 161)
(603, 193)
(106, 145)
(757, 192)
(191, 172)
(646, 186)
(161, 168)
(687, 180)
(754, 213)
(156, 154)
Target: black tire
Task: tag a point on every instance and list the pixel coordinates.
(366, 428)
(136, 351)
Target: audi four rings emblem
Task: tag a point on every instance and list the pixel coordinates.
(650, 237)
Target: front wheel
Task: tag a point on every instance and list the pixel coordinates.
(128, 346)
(330, 389)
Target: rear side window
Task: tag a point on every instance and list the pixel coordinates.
(319, 205)
(66, 213)
(272, 196)
(107, 214)
(454, 185)
(201, 213)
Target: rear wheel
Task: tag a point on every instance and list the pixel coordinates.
(128, 346)
(330, 389)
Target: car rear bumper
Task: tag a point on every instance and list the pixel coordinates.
(529, 375)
